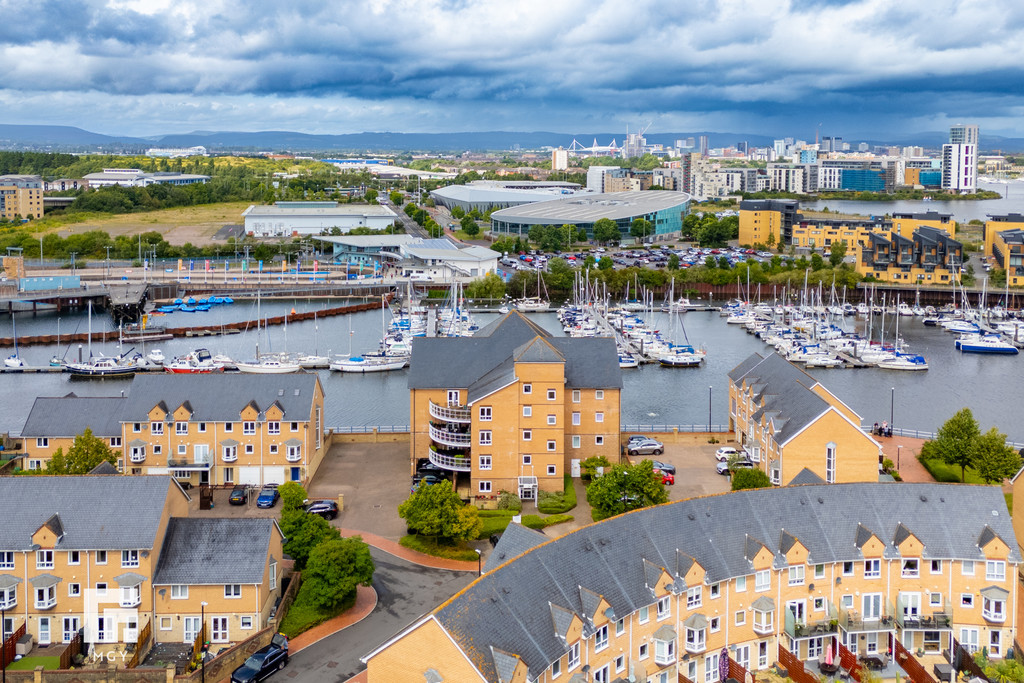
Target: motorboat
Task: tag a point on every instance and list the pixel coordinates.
(313, 361)
(628, 360)
(196, 362)
(156, 357)
(985, 343)
(103, 366)
(269, 365)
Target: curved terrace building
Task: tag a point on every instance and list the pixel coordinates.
(664, 209)
(872, 574)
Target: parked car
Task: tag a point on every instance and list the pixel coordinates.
(666, 477)
(664, 467)
(424, 466)
(723, 467)
(268, 496)
(239, 495)
(425, 480)
(328, 509)
(263, 662)
(647, 447)
(724, 453)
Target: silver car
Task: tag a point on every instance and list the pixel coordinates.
(646, 447)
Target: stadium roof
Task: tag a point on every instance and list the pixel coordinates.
(505, 192)
(592, 207)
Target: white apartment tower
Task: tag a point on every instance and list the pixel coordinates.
(960, 160)
(559, 159)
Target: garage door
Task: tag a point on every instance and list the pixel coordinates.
(249, 475)
(273, 475)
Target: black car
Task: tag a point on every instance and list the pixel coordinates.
(239, 495)
(664, 467)
(328, 509)
(424, 466)
(263, 662)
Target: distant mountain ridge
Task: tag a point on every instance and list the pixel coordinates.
(70, 138)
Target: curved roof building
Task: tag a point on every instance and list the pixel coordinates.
(485, 195)
(749, 577)
(664, 209)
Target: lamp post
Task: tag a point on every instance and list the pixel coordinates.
(709, 410)
(892, 407)
(202, 633)
(479, 557)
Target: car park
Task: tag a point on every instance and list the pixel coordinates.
(724, 467)
(239, 495)
(262, 663)
(328, 509)
(724, 453)
(646, 447)
(268, 496)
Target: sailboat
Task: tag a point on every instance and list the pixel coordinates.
(381, 361)
(679, 355)
(534, 303)
(13, 361)
(266, 365)
(314, 360)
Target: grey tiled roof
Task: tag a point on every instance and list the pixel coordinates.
(511, 608)
(786, 390)
(515, 541)
(96, 513)
(463, 362)
(221, 397)
(806, 476)
(214, 551)
(69, 416)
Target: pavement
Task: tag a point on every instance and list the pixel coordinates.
(903, 451)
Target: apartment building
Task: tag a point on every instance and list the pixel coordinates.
(960, 160)
(53, 423)
(202, 429)
(99, 553)
(1004, 243)
(21, 196)
(512, 408)
(928, 256)
(764, 221)
(790, 425)
(665, 592)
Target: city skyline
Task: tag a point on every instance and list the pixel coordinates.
(852, 68)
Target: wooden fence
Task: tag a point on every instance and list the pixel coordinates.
(70, 650)
(737, 671)
(963, 660)
(794, 667)
(7, 651)
(848, 661)
(915, 671)
(140, 650)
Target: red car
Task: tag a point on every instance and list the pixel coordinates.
(666, 478)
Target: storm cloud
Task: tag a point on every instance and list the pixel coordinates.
(777, 67)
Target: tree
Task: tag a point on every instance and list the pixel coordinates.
(437, 511)
(84, 454)
(581, 235)
(537, 233)
(995, 460)
(750, 479)
(837, 254)
(605, 230)
(957, 441)
(606, 263)
(640, 228)
(589, 261)
(470, 226)
(304, 533)
(334, 570)
(817, 263)
(588, 467)
(490, 286)
(396, 197)
(626, 487)
(293, 496)
(710, 262)
(458, 212)
(673, 262)
(370, 195)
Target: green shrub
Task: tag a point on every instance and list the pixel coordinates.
(427, 546)
(538, 522)
(509, 501)
(557, 502)
(303, 616)
(494, 521)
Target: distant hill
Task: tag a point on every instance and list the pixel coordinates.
(69, 138)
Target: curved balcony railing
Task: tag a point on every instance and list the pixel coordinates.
(450, 413)
(449, 462)
(293, 457)
(446, 438)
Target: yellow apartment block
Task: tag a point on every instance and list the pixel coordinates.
(793, 428)
(662, 592)
(216, 429)
(111, 555)
(21, 196)
(512, 408)
(929, 256)
(767, 221)
(1004, 243)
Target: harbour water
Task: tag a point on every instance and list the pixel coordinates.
(962, 211)
(652, 395)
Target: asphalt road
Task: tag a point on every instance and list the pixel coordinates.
(411, 227)
(404, 593)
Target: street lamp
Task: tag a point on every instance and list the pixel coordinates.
(709, 410)
(202, 633)
(479, 557)
(899, 452)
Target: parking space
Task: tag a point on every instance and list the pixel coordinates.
(695, 469)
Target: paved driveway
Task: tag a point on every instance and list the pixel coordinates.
(404, 593)
(695, 470)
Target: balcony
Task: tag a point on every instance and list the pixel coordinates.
(853, 621)
(46, 603)
(199, 463)
(823, 625)
(459, 414)
(457, 462)
(448, 438)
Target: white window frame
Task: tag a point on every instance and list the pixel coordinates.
(527, 459)
(552, 420)
(696, 640)
(694, 597)
(274, 427)
(74, 590)
(993, 610)
(129, 558)
(995, 570)
(577, 395)
(574, 655)
(42, 442)
(527, 435)
(599, 439)
(967, 600)
(486, 414)
(232, 591)
(484, 487)
(101, 557)
(245, 623)
(762, 581)
(910, 568)
(935, 567)
(527, 411)
(165, 624)
(180, 428)
(764, 622)
(527, 388)
(601, 638)
(599, 394)
(796, 575)
(967, 568)
(6, 559)
(872, 569)
(664, 607)
(484, 437)
(830, 463)
(552, 470)
(576, 419)
(156, 428)
(484, 462)
(711, 668)
(741, 584)
(552, 445)
(74, 557)
(552, 395)
(44, 559)
(45, 598)
(740, 617)
(599, 417)
(179, 591)
(664, 652)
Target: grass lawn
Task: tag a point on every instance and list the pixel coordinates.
(950, 473)
(1009, 502)
(303, 616)
(495, 521)
(178, 225)
(428, 546)
(557, 503)
(30, 663)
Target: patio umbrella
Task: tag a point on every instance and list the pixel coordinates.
(723, 664)
(828, 653)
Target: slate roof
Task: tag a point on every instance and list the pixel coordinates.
(511, 607)
(214, 551)
(96, 513)
(221, 397)
(472, 362)
(787, 392)
(806, 476)
(515, 541)
(69, 416)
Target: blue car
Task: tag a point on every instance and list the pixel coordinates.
(268, 497)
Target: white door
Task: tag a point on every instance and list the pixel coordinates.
(70, 628)
(574, 465)
(872, 606)
(192, 626)
(249, 475)
(911, 604)
(743, 656)
(131, 630)
(274, 475)
(44, 630)
(220, 630)
(201, 453)
(797, 608)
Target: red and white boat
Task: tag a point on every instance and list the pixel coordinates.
(199, 361)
